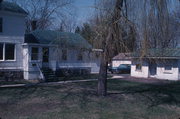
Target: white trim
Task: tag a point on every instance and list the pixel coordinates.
(36, 44)
(75, 67)
(11, 68)
(13, 13)
(98, 50)
(11, 37)
(156, 58)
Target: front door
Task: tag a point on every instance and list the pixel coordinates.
(45, 57)
(152, 68)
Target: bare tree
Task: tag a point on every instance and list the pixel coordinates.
(68, 23)
(112, 28)
(45, 12)
(156, 24)
(114, 22)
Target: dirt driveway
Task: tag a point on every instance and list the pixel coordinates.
(127, 77)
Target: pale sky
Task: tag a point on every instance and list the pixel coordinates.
(84, 9)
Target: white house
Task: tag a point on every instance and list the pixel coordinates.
(121, 58)
(12, 30)
(57, 51)
(157, 63)
(26, 55)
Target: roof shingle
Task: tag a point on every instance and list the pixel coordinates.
(63, 39)
(158, 53)
(122, 56)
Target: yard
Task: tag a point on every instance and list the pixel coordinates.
(125, 100)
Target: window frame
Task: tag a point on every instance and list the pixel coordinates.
(35, 53)
(4, 52)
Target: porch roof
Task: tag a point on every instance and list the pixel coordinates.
(62, 39)
(11, 7)
(120, 56)
(158, 53)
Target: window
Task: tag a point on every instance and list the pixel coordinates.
(64, 54)
(34, 53)
(45, 54)
(139, 67)
(168, 67)
(80, 56)
(1, 25)
(1, 51)
(9, 52)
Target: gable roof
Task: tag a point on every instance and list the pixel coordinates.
(122, 56)
(11, 7)
(159, 53)
(63, 39)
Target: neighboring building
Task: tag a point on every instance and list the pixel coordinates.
(12, 30)
(57, 50)
(26, 56)
(157, 63)
(121, 58)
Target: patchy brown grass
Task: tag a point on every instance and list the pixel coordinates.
(125, 100)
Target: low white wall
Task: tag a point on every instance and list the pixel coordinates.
(139, 73)
(161, 73)
(89, 60)
(116, 63)
(167, 74)
(94, 66)
(144, 72)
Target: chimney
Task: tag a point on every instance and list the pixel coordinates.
(33, 25)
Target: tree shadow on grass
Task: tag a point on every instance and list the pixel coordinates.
(21, 94)
(156, 94)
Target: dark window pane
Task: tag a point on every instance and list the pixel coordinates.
(1, 51)
(9, 51)
(45, 59)
(34, 50)
(34, 53)
(168, 67)
(138, 66)
(45, 54)
(1, 24)
(64, 54)
(80, 56)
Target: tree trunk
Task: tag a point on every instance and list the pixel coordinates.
(102, 80)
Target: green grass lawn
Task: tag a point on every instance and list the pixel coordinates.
(10, 82)
(125, 100)
(67, 78)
